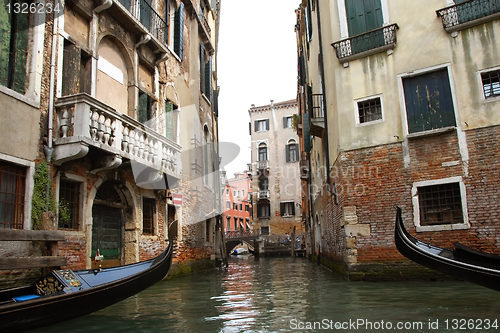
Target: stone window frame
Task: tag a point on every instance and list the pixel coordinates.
(481, 85)
(155, 216)
(82, 183)
(34, 64)
(365, 99)
(440, 227)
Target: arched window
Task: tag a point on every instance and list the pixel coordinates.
(262, 152)
(292, 151)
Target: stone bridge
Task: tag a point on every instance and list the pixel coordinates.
(234, 238)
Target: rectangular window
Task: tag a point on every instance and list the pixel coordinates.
(228, 204)
(227, 191)
(369, 110)
(263, 210)
(144, 108)
(491, 83)
(287, 122)
(12, 188)
(235, 223)
(242, 193)
(262, 125)
(440, 204)
(235, 205)
(287, 208)
(228, 223)
(13, 47)
(179, 30)
(263, 153)
(428, 100)
(247, 208)
(241, 207)
(69, 204)
(148, 209)
(264, 231)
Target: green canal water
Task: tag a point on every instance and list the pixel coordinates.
(294, 295)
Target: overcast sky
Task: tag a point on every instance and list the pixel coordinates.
(257, 62)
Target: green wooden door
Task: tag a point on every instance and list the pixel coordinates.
(364, 16)
(107, 232)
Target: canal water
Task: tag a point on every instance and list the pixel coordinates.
(294, 295)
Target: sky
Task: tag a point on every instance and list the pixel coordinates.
(257, 63)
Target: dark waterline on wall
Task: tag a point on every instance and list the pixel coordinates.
(294, 295)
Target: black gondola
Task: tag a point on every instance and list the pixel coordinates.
(67, 294)
(473, 266)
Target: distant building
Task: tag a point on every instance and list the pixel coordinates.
(237, 206)
(399, 105)
(275, 168)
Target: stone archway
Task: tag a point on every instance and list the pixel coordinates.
(108, 220)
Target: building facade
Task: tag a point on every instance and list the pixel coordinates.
(398, 108)
(237, 205)
(275, 168)
(121, 105)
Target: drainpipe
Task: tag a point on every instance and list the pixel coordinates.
(48, 149)
(105, 5)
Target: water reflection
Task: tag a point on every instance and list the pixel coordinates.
(284, 295)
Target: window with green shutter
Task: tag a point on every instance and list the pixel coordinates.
(363, 16)
(179, 30)
(13, 47)
(169, 120)
(144, 112)
(428, 101)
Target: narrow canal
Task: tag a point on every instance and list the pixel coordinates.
(294, 295)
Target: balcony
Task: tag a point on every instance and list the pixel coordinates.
(263, 165)
(468, 14)
(304, 165)
(368, 43)
(263, 195)
(317, 111)
(141, 19)
(84, 123)
(203, 25)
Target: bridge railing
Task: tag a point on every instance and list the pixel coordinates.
(242, 234)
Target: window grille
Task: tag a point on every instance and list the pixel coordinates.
(12, 188)
(440, 204)
(148, 208)
(369, 110)
(69, 196)
(491, 83)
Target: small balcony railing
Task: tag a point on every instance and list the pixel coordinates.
(263, 194)
(149, 18)
(86, 121)
(317, 112)
(263, 165)
(470, 13)
(365, 44)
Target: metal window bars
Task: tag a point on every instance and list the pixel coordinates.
(491, 83)
(467, 11)
(368, 41)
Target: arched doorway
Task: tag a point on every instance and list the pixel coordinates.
(107, 224)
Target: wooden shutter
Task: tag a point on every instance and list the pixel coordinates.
(267, 124)
(284, 122)
(363, 16)
(256, 126)
(208, 78)
(179, 30)
(305, 131)
(202, 68)
(287, 152)
(142, 108)
(282, 208)
(428, 100)
(292, 204)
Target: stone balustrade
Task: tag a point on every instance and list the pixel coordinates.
(85, 122)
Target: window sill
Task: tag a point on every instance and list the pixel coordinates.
(18, 96)
(433, 132)
(443, 227)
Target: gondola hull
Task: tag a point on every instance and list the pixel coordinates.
(475, 269)
(90, 290)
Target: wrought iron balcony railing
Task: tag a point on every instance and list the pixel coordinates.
(150, 19)
(87, 122)
(470, 13)
(365, 44)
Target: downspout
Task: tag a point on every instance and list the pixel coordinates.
(324, 98)
(48, 151)
(105, 5)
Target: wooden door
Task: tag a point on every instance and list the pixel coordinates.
(107, 235)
